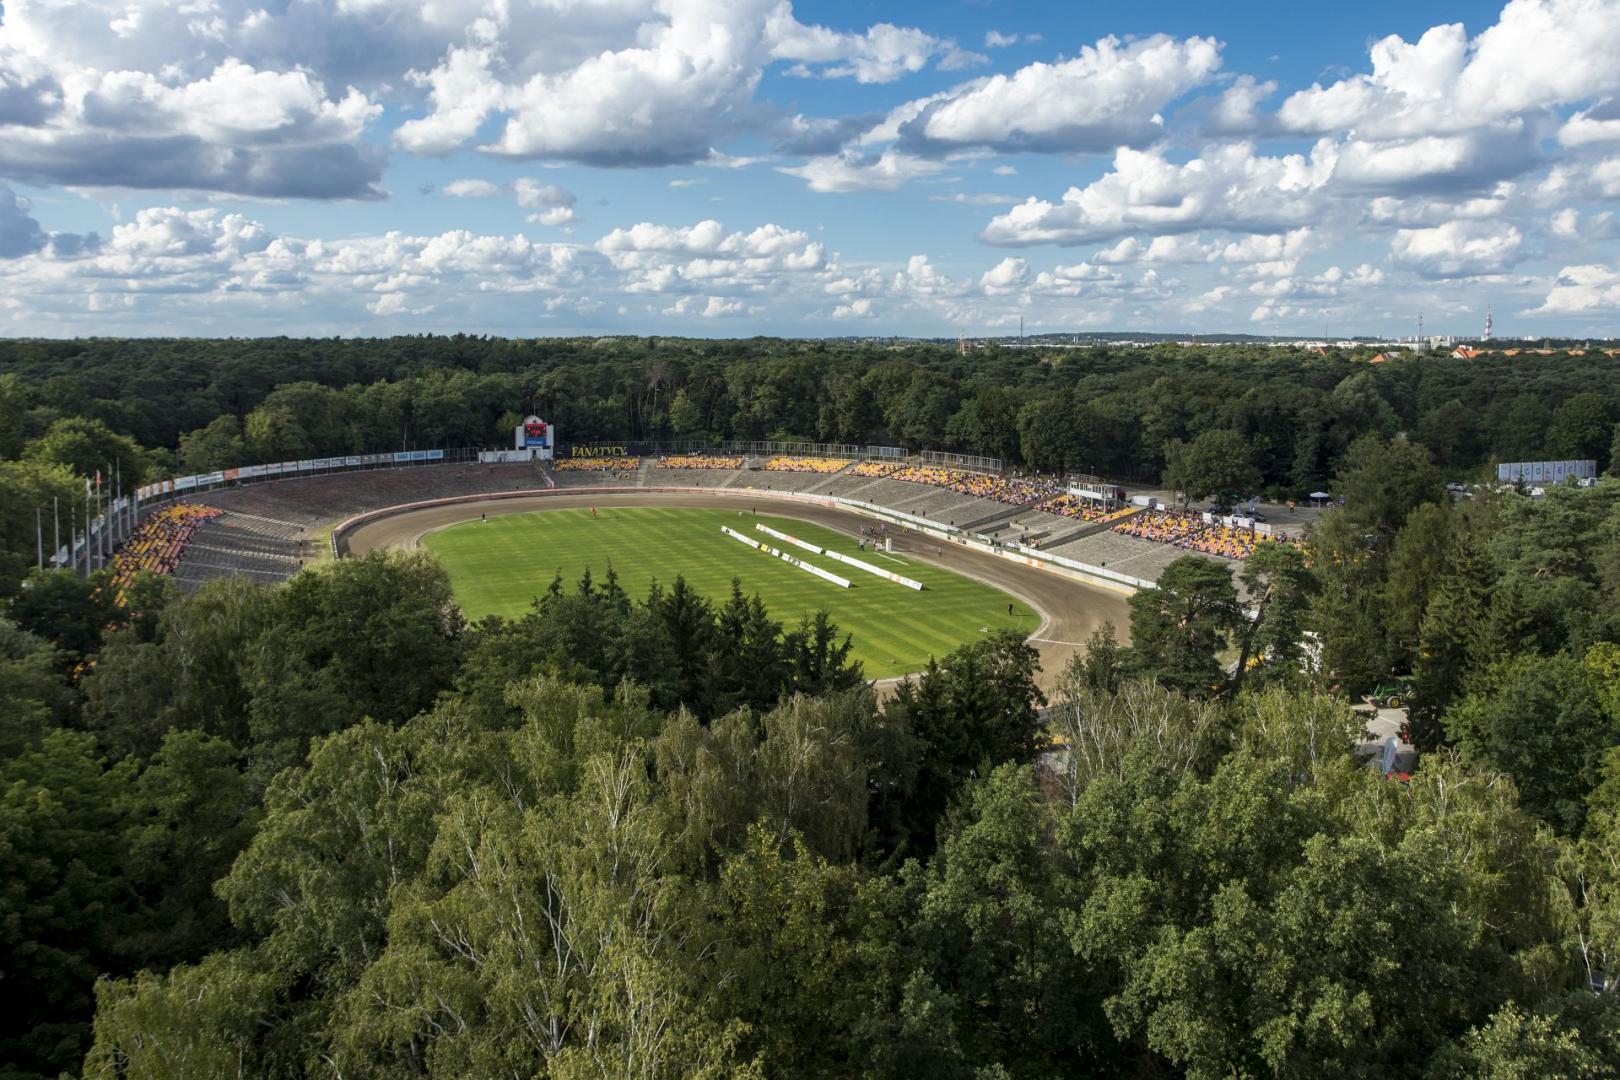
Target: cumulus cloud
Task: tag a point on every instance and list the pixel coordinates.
(1005, 277)
(882, 54)
(1598, 124)
(551, 205)
(683, 79)
(1539, 53)
(850, 171)
(245, 98)
(1389, 210)
(233, 127)
(1457, 248)
(710, 307)
(1109, 95)
(20, 234)
(1229, 187)
(1450, 112)
(210, 265)
(471, 189)
(1582, 180)
(1581, 290)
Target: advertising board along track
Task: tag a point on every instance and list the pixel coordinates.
(1071, 608)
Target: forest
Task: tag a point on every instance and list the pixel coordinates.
(654, 836)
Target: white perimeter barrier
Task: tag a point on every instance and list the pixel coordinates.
(791, 560)
(794, 540)
(878, 570)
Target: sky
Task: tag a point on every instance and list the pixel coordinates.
(736, 167)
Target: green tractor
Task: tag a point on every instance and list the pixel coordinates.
(1393, 694)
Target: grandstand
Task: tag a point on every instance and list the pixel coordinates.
(159, 543)
(699, 461)
(267, 531)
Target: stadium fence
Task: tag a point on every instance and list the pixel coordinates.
(972, 462)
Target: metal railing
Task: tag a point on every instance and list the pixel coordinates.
(962, 461)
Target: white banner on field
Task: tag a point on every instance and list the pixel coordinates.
(749, 540)
(878, 570)
(794, 560)
(794, 540)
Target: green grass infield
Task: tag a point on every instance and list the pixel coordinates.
(498, 567)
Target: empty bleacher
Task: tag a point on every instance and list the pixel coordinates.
(267, 531)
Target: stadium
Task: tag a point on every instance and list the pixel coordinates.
(912, 554)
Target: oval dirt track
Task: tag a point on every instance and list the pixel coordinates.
(1071, 610)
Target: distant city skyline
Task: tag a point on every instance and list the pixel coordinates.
(697, 167)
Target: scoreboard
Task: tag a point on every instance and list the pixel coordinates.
(535, 436)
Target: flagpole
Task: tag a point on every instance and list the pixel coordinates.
(56, 531)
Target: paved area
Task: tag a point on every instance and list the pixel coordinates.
(1071, 610)
(1383, 724)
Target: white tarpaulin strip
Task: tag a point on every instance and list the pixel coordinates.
(878, 570)
(749, 540)
(794, 540)
(842, 583)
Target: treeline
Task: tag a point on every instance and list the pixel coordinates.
(331, 828)
(1114, 410)
(1228, 422)
(504, 867)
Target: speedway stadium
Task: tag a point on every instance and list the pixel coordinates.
(912, 554)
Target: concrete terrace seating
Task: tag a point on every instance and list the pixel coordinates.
(332, 497)
(1190, 532)
(621, 474)
(160, 542)
(698, 461)
(824, 466)
(1012, 490)
(267, 530)
(1125, 554)
(264, 549)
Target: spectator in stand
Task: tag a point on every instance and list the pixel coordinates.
(805, 464)
(158, 542)
(1191, 532)
(1012, 490)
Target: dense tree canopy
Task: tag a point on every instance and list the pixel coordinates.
(331, 828)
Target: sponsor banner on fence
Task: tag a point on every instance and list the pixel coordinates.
(878, 570)
(794, 540)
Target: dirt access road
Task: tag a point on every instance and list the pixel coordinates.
(1071, 610)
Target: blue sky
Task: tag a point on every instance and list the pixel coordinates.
(534, 167)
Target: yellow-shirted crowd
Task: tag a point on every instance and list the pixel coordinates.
(599, 464)
(1191, 532)
(699, 461)
(1070, 506)
(1012, 490)
(158, 542)
(805, 464)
